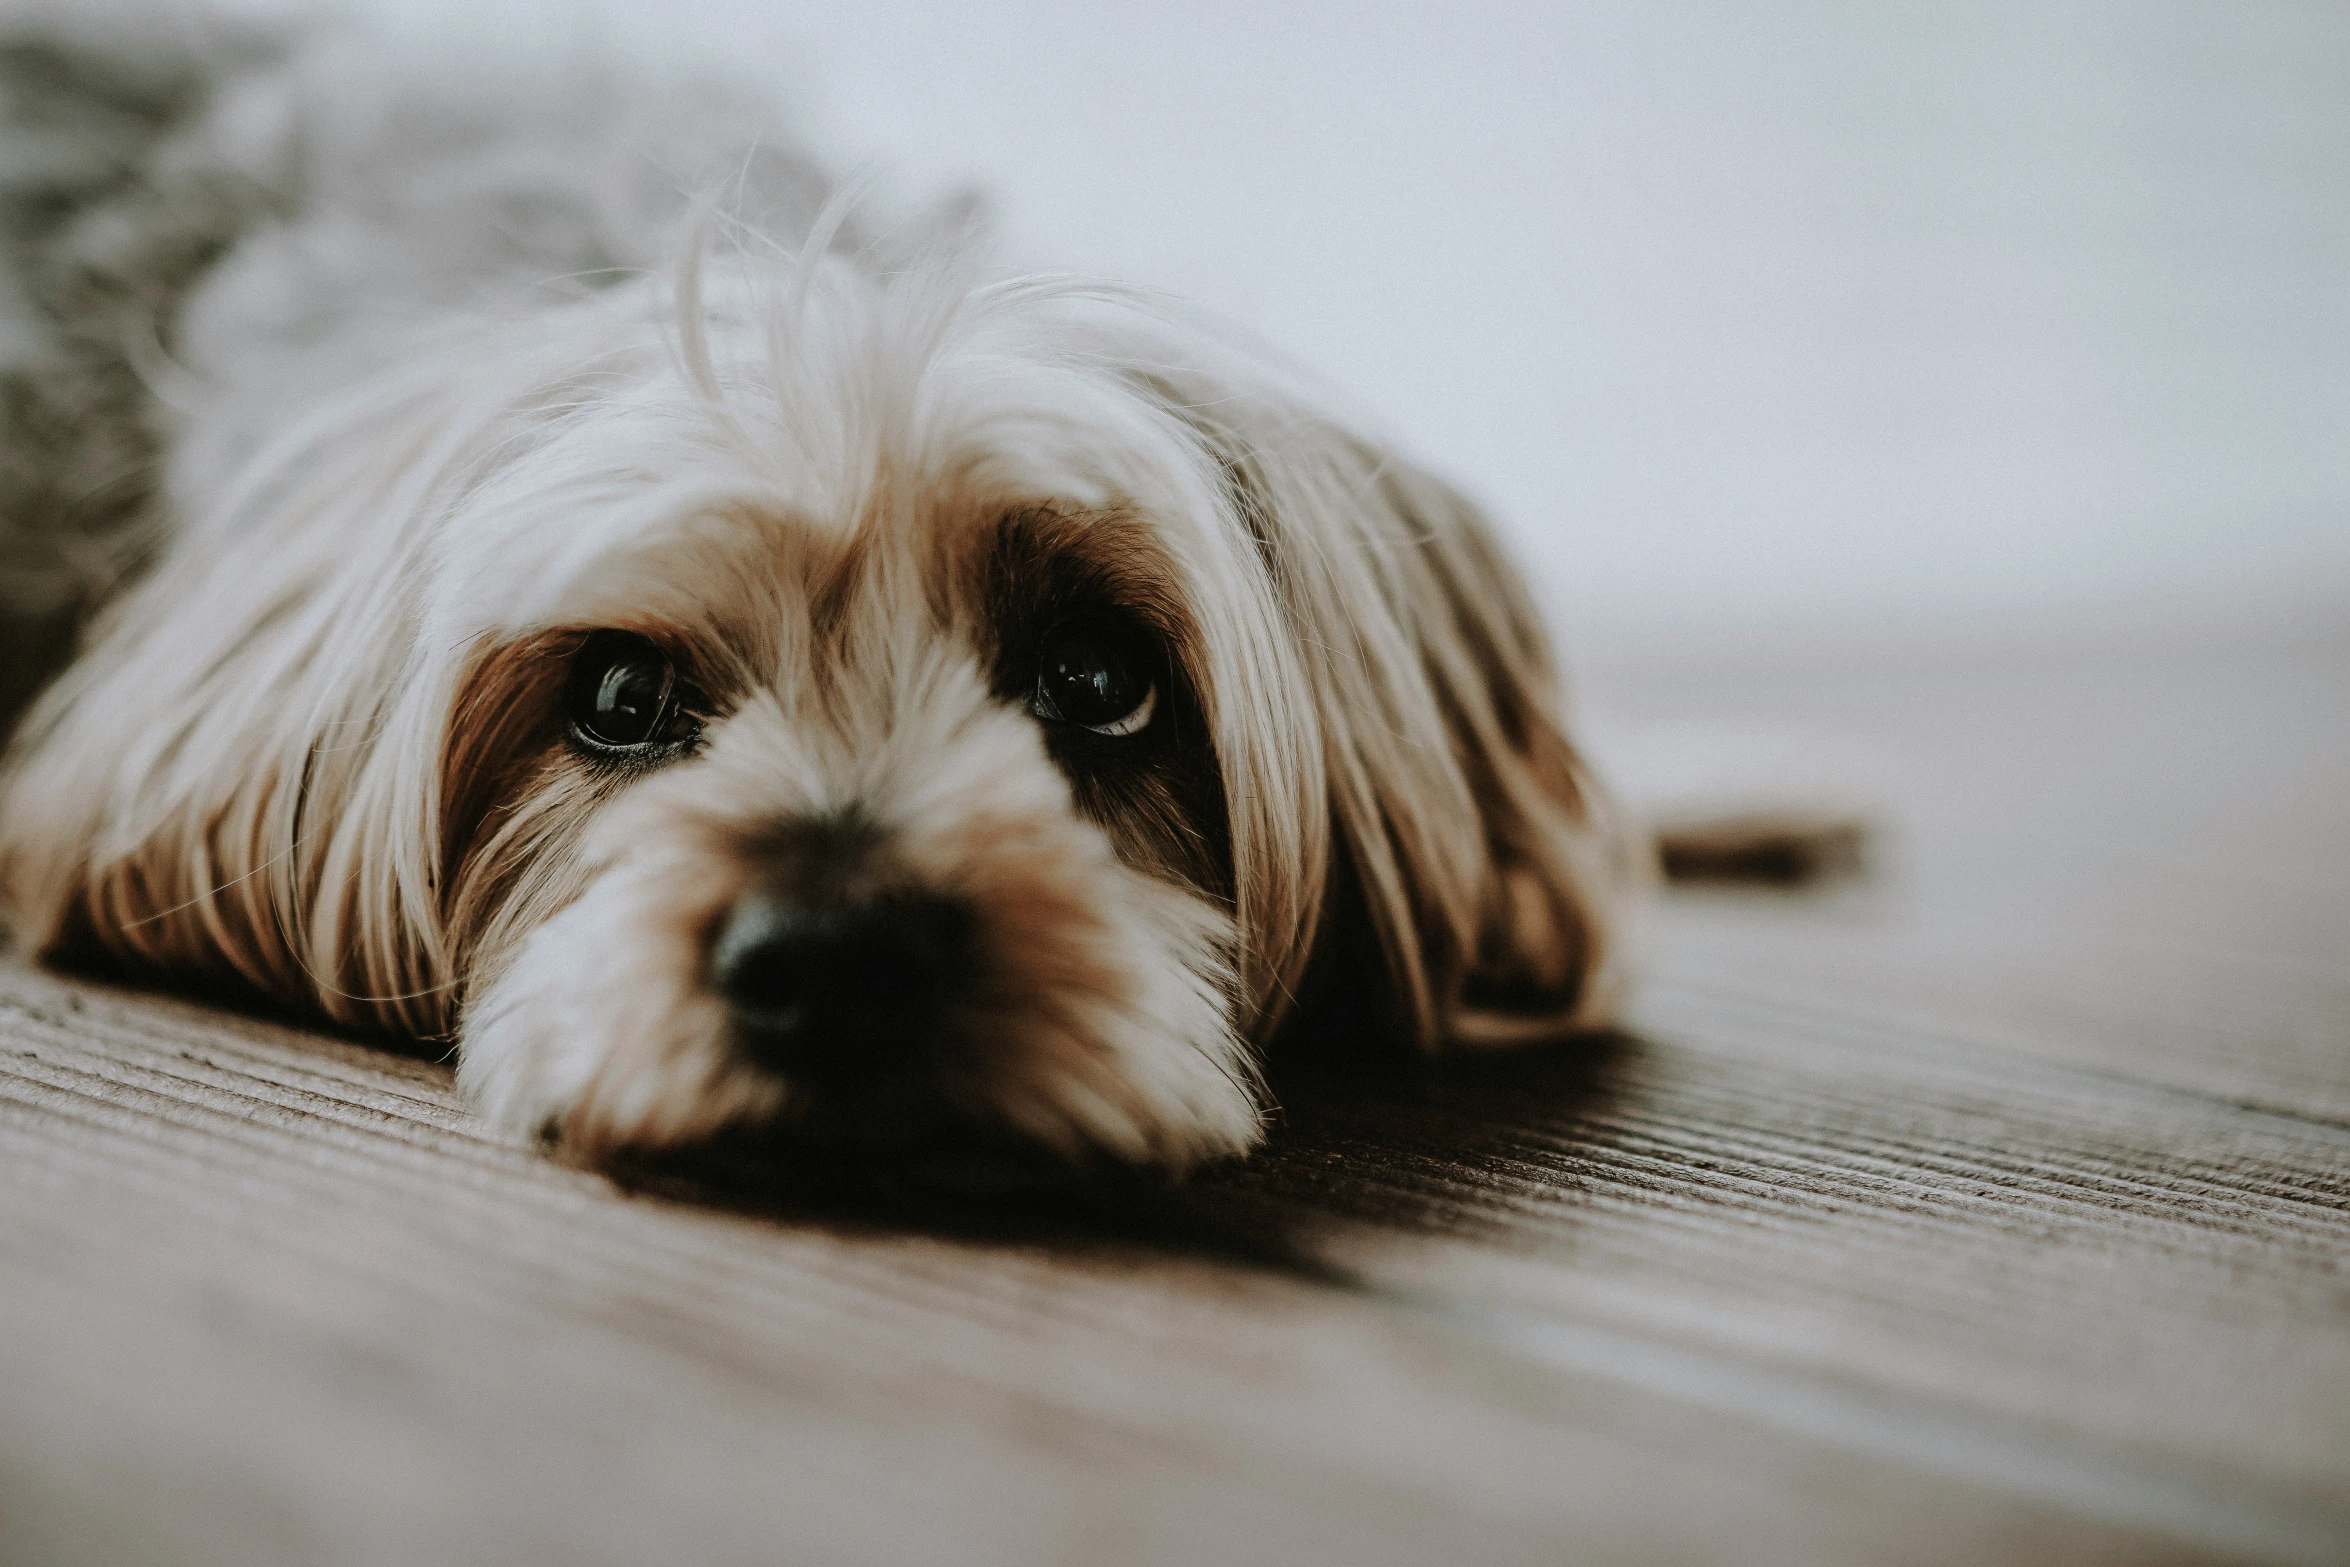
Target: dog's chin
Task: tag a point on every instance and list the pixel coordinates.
(944, 1122)
(912, 1143)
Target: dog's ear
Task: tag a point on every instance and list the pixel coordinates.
(1497, 878)
(1563, 870)
(224, 788)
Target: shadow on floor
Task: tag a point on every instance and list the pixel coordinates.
(1387, 1142)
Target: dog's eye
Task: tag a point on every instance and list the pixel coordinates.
(626, 697)
(1094, 675)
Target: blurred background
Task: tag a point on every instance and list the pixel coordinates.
(1764, 329)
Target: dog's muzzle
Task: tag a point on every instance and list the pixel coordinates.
(837, 982)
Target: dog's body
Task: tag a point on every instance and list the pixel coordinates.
(730, 674)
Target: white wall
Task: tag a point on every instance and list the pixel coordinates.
(1747, 319)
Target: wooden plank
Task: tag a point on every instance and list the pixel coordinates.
(2080, 1259)
(261, 1303)
(2140, 867)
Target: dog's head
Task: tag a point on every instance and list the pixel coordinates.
(878, 707)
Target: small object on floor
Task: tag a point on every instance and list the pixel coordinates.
(1784, 847)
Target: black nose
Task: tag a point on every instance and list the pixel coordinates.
(840, 990)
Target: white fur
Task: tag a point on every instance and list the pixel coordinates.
(440, 409)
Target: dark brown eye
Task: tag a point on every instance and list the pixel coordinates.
(1095, 675)
(626, 699)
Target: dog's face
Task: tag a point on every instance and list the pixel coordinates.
(882, 710)
(884, 784)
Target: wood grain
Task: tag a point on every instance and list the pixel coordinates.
(1995, 1208)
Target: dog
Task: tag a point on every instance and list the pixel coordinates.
(570, 591)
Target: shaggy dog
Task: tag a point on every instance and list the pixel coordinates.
(570, 592)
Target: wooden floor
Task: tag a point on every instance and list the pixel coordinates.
(1992, 1208)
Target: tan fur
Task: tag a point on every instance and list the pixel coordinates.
(319, 749)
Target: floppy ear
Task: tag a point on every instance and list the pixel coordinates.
(1563, 869)
(222, 791)
(1497, 879)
